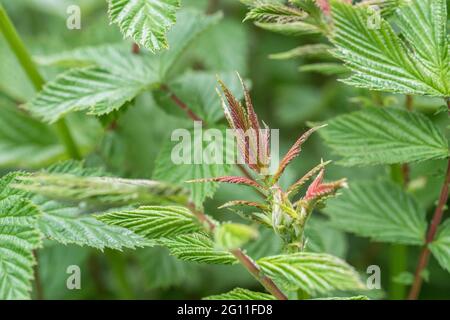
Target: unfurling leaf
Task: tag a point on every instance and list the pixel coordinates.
(231, 236)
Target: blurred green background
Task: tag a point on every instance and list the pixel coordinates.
(284, 97)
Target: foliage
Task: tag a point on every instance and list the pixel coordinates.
(90, 120)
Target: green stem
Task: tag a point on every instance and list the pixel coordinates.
(17, 46)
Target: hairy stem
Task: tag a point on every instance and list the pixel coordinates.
(253, 268)
(425, 253)
(17, 46)
(245, 260)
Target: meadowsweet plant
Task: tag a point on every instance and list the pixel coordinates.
(405, 52)
(88, 178)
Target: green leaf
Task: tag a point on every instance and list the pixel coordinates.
(167, 170)
(19, 236)
(384, 136)
(440, 247)
(154, 222)
(323, 237)
(196, 247)
(241, 294)
(21, 136)
(381, 60)
(96, 90)
(380, 210)
(222, 56)
(68, 226)
(190, 25)
(275, 12)
(298, 28)
(311, 272)
(230, 236)
(101, 190)
(145, 21)
(327, 68)
(162, 270)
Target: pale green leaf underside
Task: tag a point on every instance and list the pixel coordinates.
(196, 247)
(384, 136)
(440, 247)
(379, 210)
(110, 191)
(241, 294)
(19, 236)
(311, 272)
(382, 61)
(145, 21)
(93, 89)
(153, 222)
(68, 225)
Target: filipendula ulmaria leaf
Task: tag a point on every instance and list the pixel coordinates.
(440, 247)
(380, 210)
(101, 190)
(382, 61)
(311, 272)
(21, 136)
(231, 236)
(68, 226)
(161, 270)
(196, 247)
(19, 236)
(241, 294)
(154, 222)
(145, 21)
(179, 173)
(92, 89)
(384, 136)
(112, 77)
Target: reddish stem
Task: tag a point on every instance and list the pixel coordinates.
(425, 253)
(183, 106)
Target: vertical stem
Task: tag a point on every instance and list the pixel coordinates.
(425, 253)
(17, 46)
